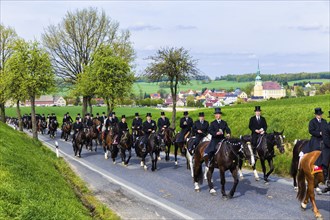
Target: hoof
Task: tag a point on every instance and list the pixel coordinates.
(225, 198)
(257, 179)
(114, 162)
(123, 162)
(145, 167)
(303, 205)
(295, 188)
(213, 192)
(318, 216)
(266, 183)
(176, 163)
(318, 191)
(241, 177)
(141, 164)
(159, 158)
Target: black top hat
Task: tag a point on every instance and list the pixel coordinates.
(103, 113)
(97, 113)
(87, 114)
(110, 114)
(318, 111)
(217, 111)
(136, 114)
(77, 118)
(148, 114)
(123, 116)
(52, 113)
(113, 113)
(162, 113)
(201, 114)
(92, 115)
(185, 113)
(78, 114)
(257, 109)
(67, 113)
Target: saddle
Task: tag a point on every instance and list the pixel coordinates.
(186, 135)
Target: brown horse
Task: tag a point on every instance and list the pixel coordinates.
(67, 127)
(125, 144)
(41, 126)
(168, 136)
(78, 143)
(181, 146)
(108, 146)
(93, 134)
(305, 174)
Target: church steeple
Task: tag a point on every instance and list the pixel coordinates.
(258, 77)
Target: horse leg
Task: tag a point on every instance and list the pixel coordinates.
(190, 161)
(129, 156)
(223, 182)
(144, 162)
(256, 176)
(198, 175)
(271, 166)
(81, 147)
(153, 160)
(311, 195)
(233, 189)
(176, 153)
(240, 164)
(210, 182)
(167, 153)
(123, 155)
(262, 161)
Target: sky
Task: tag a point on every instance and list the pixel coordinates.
(226, 37)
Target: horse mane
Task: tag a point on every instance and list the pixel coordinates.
(234, 141)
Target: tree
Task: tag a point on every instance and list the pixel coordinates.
(32, 65)
(190, 101)
(72, 42)
(111, 75)
(175, 66)
(7, 37)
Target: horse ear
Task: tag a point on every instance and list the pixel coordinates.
(240, 137)
(282, 131)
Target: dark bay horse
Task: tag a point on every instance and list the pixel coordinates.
(247, 140)
(227, 156)
(265, 150)
(108, 146)
(168, 141)
(181, 146)
(41, 126)
(125, 144)
(52, 128)
(298, 146)
(67, 127)
(305, 174)
(153, 148)
(78, 143)
(92, 133)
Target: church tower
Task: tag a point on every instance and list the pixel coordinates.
(258, 90)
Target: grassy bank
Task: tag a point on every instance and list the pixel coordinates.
(36, 185)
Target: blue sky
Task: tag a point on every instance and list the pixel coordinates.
(227, 37)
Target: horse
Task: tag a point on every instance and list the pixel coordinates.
(298, 146)
(247, 140)
(227, 156)
(182, 146)
(125, 144)
(52, 129)
(67, 127)
(265, 150)
(168, 136)
(305, 174)
(137, 133)
(92, 134)
(78, 143)
(153, 148)
(108, 146)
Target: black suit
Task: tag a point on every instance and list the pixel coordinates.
(163, 122)
(315, 128)
(185, 125)
(204, 127)
(256, 125)
(214, 128)
(122, 127)
(145, 127)
(326, 149)
(137, 122)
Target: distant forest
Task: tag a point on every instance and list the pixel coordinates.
(284, 77)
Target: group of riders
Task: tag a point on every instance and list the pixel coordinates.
(219, 130)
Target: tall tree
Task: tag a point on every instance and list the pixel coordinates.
(72, 42)
(111, 76)
(32, 65)
(174, 66)
(7, 37)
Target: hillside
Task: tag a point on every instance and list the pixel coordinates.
(33, 186)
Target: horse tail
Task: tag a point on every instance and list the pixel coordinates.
(301, 185)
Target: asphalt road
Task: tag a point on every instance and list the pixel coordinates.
(168, 193)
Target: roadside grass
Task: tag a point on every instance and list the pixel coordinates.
(37, 185)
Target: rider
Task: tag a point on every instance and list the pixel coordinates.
(122, 127)
(163, 123)
(200, 130)
(218, 129)
(103, 118)
(88, 121)
(186, 124)
(78, 116)
(115, 117)
(148, 127)
(43, 118)
(136, 124)
(258, 127)
(325, 155)
(77, 126)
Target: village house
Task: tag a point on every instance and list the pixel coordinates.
(48, 100)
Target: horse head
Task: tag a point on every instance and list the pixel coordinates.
(161, 142)
(247, 148)
(279, 140)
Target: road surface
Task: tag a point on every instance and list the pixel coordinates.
(168, 193)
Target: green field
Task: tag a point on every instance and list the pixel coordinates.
(309, 80)
(195, 85)
(37, 185)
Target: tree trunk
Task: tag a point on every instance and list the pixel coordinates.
(108, 106)
(33, 117)
(3, 113)
(90, 105)
(19, 116)
(84, 106)
(173, 93)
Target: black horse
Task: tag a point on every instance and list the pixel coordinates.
(265, 150)
(78, 143)
(168, 141)
(52, 128)
(227, 156)
(125, 144)
(246, 140)
(153, 148)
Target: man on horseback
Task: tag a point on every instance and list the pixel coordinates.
(66, 120)
(77, 126)
(88, 121)
(258, 127)
(136, 126)
(43, 118)
(122, 127)
(114, 117)
(218, 129)
(200, 130)
(148, 127)
(163, 123)
(107, 124)
(325, 155)
(186, 124)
